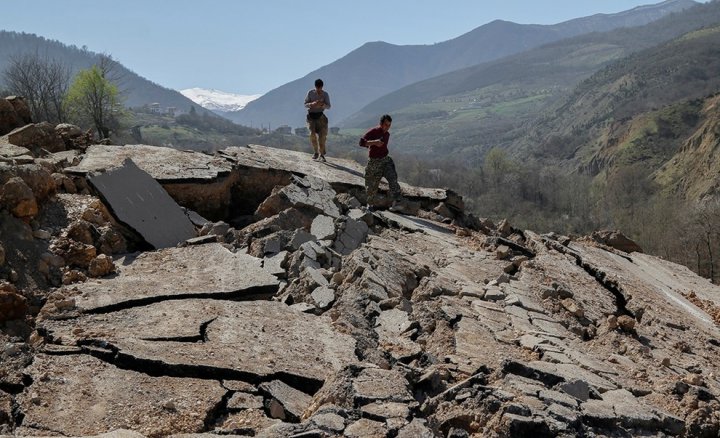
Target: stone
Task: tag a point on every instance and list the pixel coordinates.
(323, 297)
(141, 202)
(351, 235)
(36, 136)
(323, 227)
(207, 270)
(626, 323)
(573, 307)
(364, 428)
(79, 395)
(612, 322)
(12, 306)
(286, 402)
(517, 425)
(361, 215)
(276, 264)
(299, 238)
(502, 252)
(416, 429)
(494, 293)
(375, 384)
(16, 196)
(381, 411)
(101, 266)
(249, 340)
(329, 421)
(617, 240)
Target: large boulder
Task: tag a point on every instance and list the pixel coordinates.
(12, 305)
(18, 198)
(9, 119)
(37, 136)
(21, 109)
(617, 240)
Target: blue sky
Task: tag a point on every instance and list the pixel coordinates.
(253, 46)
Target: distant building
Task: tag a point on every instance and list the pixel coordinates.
(284, 129)
(155, 108)
(171, 111)
(302, 132)
(335, 130)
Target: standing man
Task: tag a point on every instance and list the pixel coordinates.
(379, 163)
(317, 101)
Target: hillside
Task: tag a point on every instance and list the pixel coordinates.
(137, 90)
(638, 110)
(471, 110)
(294, 312)
(378, 68)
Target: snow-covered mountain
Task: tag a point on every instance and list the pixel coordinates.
(218, 101)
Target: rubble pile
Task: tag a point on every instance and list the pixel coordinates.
(296, 312)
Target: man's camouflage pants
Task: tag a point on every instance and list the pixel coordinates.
(376, 169)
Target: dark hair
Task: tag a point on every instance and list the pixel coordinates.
(318, 83)
(385, 118)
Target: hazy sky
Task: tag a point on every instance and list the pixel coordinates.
(253, 46)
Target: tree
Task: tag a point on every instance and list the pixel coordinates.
(43, 82)
(95, 99)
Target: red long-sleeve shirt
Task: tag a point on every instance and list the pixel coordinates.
(376, 133)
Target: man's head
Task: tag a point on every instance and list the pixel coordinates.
(319, 84)
(385, 122)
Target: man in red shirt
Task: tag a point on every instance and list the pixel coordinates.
(380, 164)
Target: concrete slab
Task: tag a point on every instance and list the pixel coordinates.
(137, 200)
(336, 171)
(162, 163)
(175, 273)
(79, 395)
(252, 341)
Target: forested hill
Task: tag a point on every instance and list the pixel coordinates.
(378, 68)
(490, 105)
(138, 91)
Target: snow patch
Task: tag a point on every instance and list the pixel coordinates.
(216, 100)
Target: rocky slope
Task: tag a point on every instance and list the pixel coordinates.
(297, 313)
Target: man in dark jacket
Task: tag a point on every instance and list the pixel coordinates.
(379, 163)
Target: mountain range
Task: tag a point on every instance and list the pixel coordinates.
(219, 102)
(489, 105)
(378, 68)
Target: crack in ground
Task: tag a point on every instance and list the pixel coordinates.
(156, 368)
(621, 298)
(200, 337)
(254, 293)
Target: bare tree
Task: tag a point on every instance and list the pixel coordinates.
(43, 82)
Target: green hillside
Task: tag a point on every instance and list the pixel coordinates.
(469, 111)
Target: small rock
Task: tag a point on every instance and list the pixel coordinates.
(626, 323)
(101, 266)
(612, 322)
(42, 234)
(694, 379)
(502, 252)
(66, 304)
(169, 405)
(323, 297)
(573, 307)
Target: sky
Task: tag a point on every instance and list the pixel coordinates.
(254, 46)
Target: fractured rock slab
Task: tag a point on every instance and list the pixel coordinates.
(251, 341)
(174, 273)
(79, 395)
(139, 201)
(287, 403)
